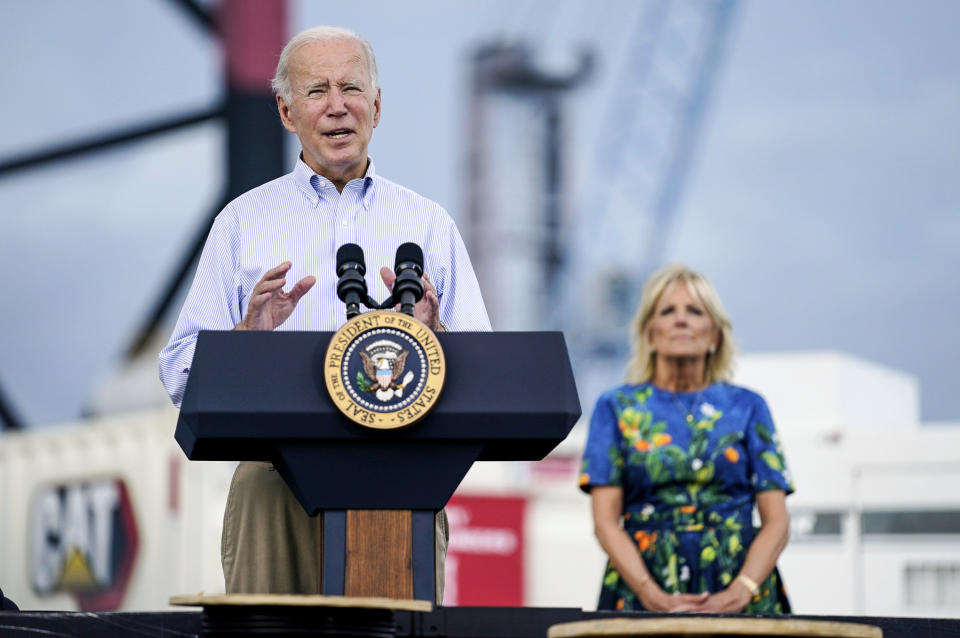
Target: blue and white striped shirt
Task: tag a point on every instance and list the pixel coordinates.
(301, 218)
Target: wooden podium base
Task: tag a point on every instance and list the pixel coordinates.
(378, 553)
(288, 614)
(379, 542)
(708, 627)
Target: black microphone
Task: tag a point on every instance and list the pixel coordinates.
(351, 286)
(408, 288)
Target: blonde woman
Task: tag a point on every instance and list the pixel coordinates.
(676, 460)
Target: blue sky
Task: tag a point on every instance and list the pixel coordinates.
(823, 199)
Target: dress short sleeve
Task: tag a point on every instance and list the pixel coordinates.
(768, 466)
(603, 456)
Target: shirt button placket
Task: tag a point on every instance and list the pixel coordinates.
(342, 223)
(352, 209)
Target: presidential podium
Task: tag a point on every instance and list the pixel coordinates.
(261, 396)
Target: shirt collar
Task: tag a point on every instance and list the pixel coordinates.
(313, 184)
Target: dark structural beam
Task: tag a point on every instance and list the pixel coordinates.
(198, 14)
(158, 311)
(105, 142)
(8, 417)
(252, 33)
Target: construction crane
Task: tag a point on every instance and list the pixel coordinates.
(642, 162)
(541, 267)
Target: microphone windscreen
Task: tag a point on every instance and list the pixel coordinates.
(409, 253)
(350, 254)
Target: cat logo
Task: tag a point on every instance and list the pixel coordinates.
(83, 542)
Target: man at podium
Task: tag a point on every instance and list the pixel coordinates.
(288, 230)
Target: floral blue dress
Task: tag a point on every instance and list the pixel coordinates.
(689, 465)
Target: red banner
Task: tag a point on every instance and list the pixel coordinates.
(485, 557)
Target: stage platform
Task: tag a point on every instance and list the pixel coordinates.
(454, 622)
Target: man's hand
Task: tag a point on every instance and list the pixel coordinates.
(269, 306)
(427, 309)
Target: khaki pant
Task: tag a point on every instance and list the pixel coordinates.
(270, 545)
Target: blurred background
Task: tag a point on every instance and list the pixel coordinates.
(804, 156)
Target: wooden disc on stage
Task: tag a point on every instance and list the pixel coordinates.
(710, 626)
(295, 600)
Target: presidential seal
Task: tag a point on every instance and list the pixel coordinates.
(384, 369)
